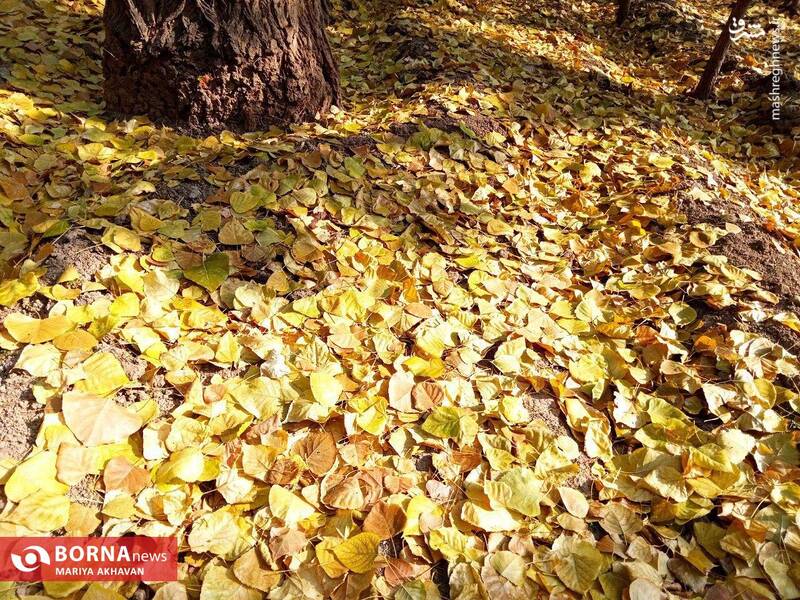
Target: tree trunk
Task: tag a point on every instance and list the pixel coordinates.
(623, 8)
(711, 72)
(211, 64)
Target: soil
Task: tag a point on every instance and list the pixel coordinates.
(84, 492)
(480, 125)
(755, 249)
(166, 397)
(186, 193)
(20, 414)
(74, 248)
(441, 578)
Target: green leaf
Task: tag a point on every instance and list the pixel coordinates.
(211, 273)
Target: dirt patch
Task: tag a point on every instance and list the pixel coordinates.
(441, 577)
(20, 414)
(415, 43)
(416, 48)
(92, 297)
(546, 409)
(32, 306)
(756, 249)
(480, 125)
(166, 397)
(74, 248)
(763, 84)
(717, 214)
(85, 492)
(729, 316)
(186, 193)
(130, 395)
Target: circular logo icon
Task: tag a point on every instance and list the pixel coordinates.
(31, 558)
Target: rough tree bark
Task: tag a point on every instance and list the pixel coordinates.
(212, 64)
(623, 9)
(711, 72)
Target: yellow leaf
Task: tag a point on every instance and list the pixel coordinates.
(400, 386)
(219, 583)
(517, 489)
(104, 374)
(35, 331)
(589, 171)
(75, 340)
(253, 571)
(95, 420)
(233, 233)
(126, 305)
(327, 559)
(228, 349)
(288, 507)
(421, 508)
(74, 463)
(574, 501)
(189, 465)
(509, 565)
(432, 368)
(39, 360)
(325, 388)
(358, 553)
(660, 161)
(451, 422)
(37, 473)
(495, 520)
(13, 290)
(98, 591)
(83, 520)
(41, 511)
(216, 532)
(579, 565)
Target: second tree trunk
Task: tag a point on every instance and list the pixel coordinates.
(714, 64)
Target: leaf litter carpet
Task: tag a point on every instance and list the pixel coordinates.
(519, 320)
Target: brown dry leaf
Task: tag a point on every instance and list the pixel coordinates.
(385, 520)
(346, 495)
(120, 474)
(285, 542)
(318, 450)
(427, 395)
